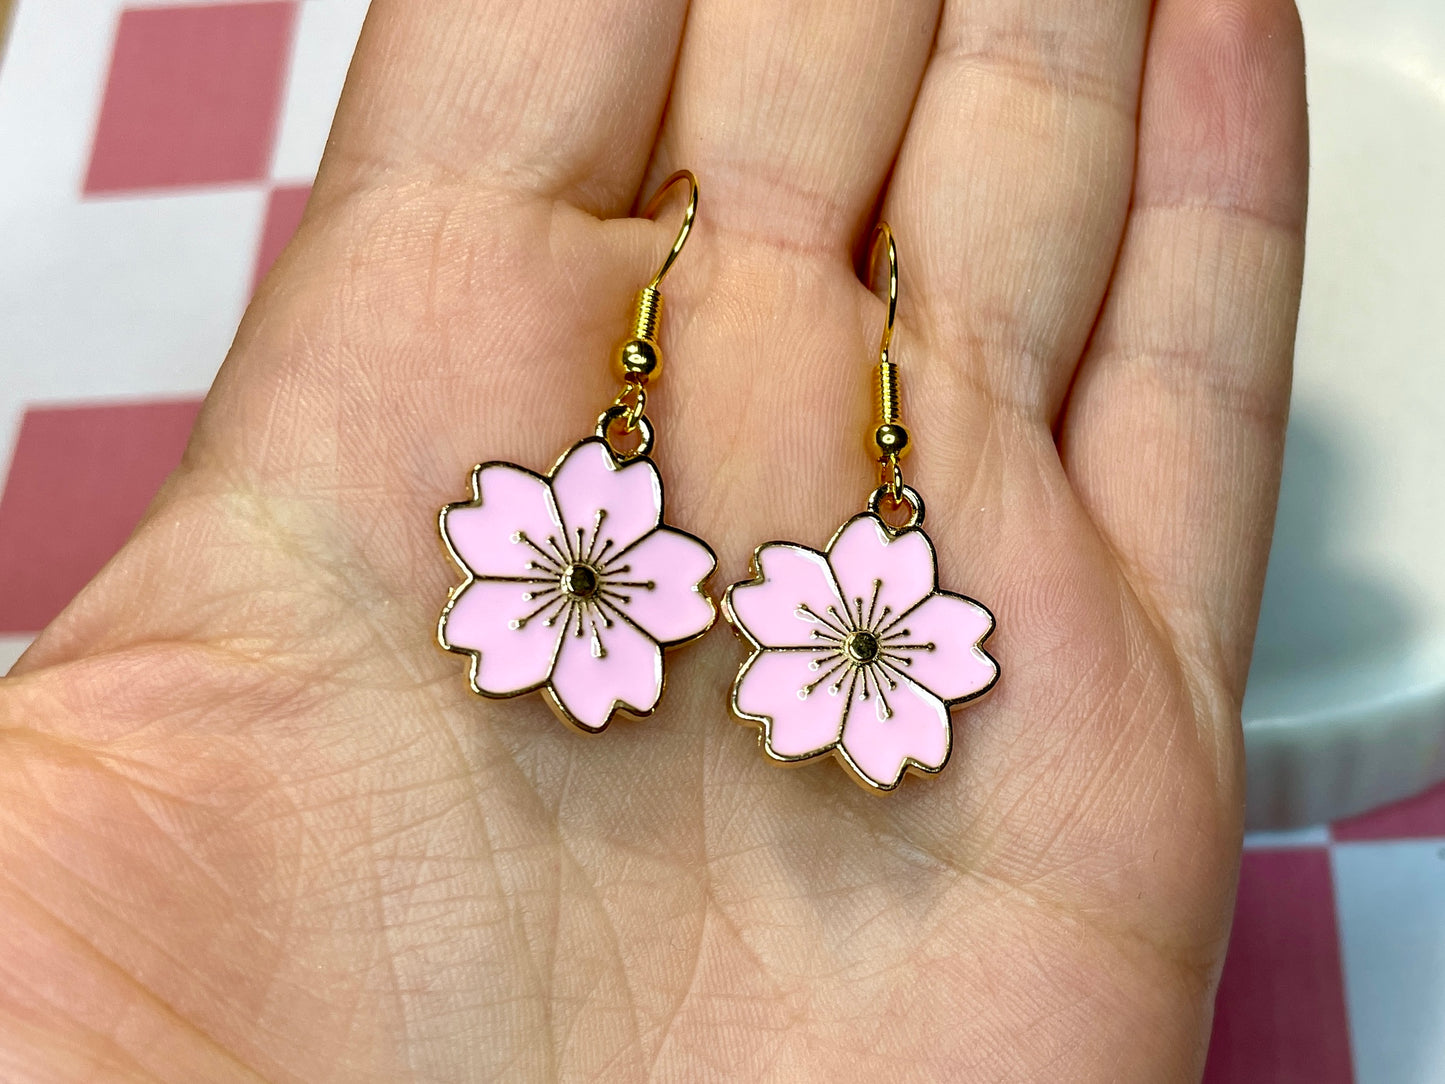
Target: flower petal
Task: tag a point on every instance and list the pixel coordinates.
(799, 726)
(794, 580)
(487, 533)
(881, 734)
(956, 667)
(619, 667)
(866, 558)
(589, 482)
(670, 606)
(512, 660)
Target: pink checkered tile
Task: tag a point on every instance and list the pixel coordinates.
(192, 97)
(1280, 1013)
(1422, 817)
(80, 480)
(283, 215)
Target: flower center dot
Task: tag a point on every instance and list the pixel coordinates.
(580, 581)
(861, 647)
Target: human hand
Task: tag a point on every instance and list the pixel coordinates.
(252, 825)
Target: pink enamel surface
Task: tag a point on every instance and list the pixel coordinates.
(792, 577)
(485, 535)
(672, 609)
(589, 480)
(956, 667)
(575, 585)
(768, 688)
(863, 554)
(512, 660)
(897, 651)
(630, 673)
(916, 726)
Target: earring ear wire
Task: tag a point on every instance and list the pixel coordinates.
(639, 359)
(890, 440)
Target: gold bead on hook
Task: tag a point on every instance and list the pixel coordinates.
(639, 359)
(890, 440)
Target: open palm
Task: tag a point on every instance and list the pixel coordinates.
(252, 823)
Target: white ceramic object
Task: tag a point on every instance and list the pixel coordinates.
(1346, 701)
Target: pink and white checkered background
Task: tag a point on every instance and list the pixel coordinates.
(154, 159)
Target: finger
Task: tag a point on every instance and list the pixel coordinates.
(1012, 187)
(791, 116)
(548, 97)
(791, 113)
(1174, 429)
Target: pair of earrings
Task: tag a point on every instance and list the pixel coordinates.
(575, 586)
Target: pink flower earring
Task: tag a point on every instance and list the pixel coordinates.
(574, 584)
(855, 650)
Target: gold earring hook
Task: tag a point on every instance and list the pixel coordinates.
(883, 235)
(639, 359)
(889, 441)
(687, 216)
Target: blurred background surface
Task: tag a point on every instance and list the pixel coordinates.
(155, 158)
(1346, 704)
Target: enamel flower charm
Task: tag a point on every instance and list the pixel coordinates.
(574, 585)
(857, 652)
